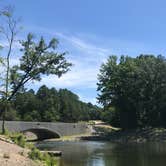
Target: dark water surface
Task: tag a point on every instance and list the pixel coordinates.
(93, 153)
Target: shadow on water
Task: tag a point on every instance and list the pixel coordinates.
(90, 153)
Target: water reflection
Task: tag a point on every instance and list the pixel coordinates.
(88, 153)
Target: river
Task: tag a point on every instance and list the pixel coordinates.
(93, 153)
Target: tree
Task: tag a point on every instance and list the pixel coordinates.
(136, 88)
(69, 109)
(26, 105)
(9, 31)
(111, 115)
(50, 105)
(38, 59)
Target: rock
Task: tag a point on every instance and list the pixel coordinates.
(6, 155)
(53, 153)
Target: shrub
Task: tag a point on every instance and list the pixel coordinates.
(18, 139)
(35, 154)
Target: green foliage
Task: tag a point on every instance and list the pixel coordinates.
(38, 59)
(111, 115)
(136, 88)
(94, 112)
(35, 154)
(50, 105)
(18, 139)
(69, 106)
(5, 133)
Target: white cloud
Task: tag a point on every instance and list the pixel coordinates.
(86, 78)
(14, 61)
(87, 56)
(87, 99)
(16, 44)
(77, 43)
(85, 46)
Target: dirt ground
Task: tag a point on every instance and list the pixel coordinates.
(13, 155)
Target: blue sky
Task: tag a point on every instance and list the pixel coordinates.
(91, 30)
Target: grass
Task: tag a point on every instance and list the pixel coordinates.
(48, 160)
(34, 154)
(19, 139)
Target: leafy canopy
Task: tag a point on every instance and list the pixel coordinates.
(38, 59)
(136, 88)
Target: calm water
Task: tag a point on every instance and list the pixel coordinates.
(89, 153)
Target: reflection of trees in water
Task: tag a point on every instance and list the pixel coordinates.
(75, 153)
(85, 154)
(149, 154)
(108, 154)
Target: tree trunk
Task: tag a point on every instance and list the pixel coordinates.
(3, 121)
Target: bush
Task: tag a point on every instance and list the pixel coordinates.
(35, 154)
(6, 132)
(49, 160)
(18, 139)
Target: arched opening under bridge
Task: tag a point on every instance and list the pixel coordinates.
(43, 133)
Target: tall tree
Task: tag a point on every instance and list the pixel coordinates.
(51, 105)
(38, 58)
(9, 30)
(135, 87)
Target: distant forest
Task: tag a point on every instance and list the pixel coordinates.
(50, 105)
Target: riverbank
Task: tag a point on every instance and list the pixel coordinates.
(129, 136)
(14, 155)
(116, 135)
(15, 150)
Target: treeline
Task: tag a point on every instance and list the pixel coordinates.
(50, 105)
(133, 91)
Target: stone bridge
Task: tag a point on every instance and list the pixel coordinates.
(46, 130)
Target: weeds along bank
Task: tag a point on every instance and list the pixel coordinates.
(15, 143)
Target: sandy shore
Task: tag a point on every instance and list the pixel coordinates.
(13, 155)
(148, 134)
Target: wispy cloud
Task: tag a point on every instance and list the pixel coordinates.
(5, 44)
(86, 55)
(85, 46)
(86, 78)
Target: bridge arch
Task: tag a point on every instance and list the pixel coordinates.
(43, 133)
